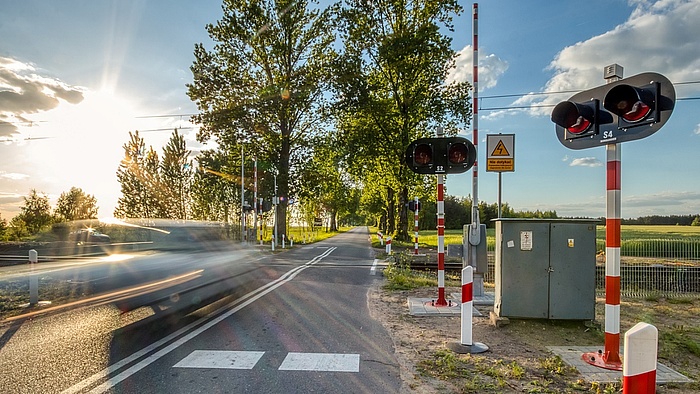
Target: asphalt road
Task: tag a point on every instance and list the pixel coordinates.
(296, 321)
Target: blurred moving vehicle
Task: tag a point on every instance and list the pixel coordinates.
(89, 235)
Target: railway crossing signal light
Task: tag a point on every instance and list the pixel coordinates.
(634, 106)
(625, 110)
(449, 155)
(412, 205)
(580, 120)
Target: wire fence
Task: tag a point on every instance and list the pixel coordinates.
(649, 268)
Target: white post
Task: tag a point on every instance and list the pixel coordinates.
(467, 304)
(639, 360)
(283, 241)
(33, 278)
(388, 245)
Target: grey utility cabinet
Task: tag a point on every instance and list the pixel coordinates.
(545, 268)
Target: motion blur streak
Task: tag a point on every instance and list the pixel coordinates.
(221, 314)
(116, 295)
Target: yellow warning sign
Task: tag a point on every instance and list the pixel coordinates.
(500, 150)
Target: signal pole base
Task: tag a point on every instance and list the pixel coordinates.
(474, 348)
(600, 359)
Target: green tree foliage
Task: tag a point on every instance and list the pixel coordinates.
(132, 178)
(176, 175)
(3, 229)
(324, 182)
(262, 84)
(214, 191)
(35, 214)
(17, 230)
(151, 188)
(76, 205)
(391, 88)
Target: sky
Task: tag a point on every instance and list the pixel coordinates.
(77, 76)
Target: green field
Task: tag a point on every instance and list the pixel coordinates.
(428, 239)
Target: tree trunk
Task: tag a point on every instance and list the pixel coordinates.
(391, 212)
(402, 234)
(334, 223)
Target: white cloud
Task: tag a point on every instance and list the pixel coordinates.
(697, 129)
(661, 37)
(13, 175)
(491, 67)
(23, 91)
(585, 162)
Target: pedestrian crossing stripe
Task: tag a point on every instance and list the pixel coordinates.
(220, 359)
(226, 359)
(500, 150)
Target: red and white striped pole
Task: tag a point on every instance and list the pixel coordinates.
(255, 197)
(467, 304)
(466, 344)
(639, 371)
(415, 225)
(612, 255)
(475, 121)
(441, 301)
(388, 245)
(610, 358)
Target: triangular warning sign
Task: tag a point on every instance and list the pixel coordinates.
(500, 150)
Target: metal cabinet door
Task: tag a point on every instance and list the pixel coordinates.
(524, 270)
(572, 276)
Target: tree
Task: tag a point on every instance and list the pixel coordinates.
(131, 178)
(391, 89)
(262, 84)
(176, 174)
(323, 181)
(3, 229)
(213, 191)
(141, 186)
(36, 212)
(76, 205)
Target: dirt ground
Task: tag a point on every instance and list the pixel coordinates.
(517, 360)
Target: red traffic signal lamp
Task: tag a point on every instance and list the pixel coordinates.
(580, 120)
(449, 155)
(632, 108)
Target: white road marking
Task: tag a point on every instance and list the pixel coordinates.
(195, 331)
(373, 270)
(221, 359)
(324, 362)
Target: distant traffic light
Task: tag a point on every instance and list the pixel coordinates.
(450, 155)
(632, 108)
(412, 205)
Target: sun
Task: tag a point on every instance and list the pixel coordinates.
(82, 145)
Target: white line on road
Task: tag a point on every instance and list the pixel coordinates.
(242, 302)
(373, 270)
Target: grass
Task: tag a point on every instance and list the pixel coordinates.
(428, 238)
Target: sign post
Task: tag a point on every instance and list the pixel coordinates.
(500, 157)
